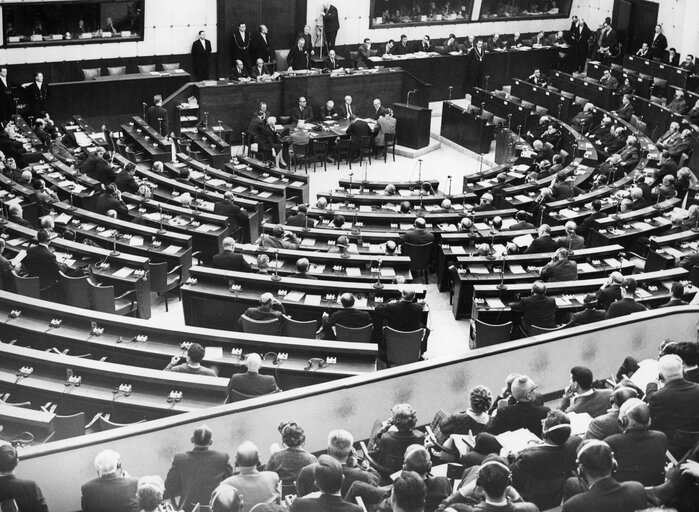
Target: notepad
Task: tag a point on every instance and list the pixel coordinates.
(388, 272)
(270, 179)
(264, 195)
(311, 300)
(612, 262)
(404, 192)
(316, 269)
(353, 271)
(376, 248)
(643, 294)
(18, 259)
(481, 226)
(478, 269)
(494, 303)
(522, 198)
(308, 242)
(562, 301)
(523, 241)
(136, 240)
(171, 249)
(88, 225)
(365, 208)
(107, 233)
(361, 302)
(213, 352)
(585, 267)
(517, 269)
(15, 242)
(240, 189)
(642, 226)
(567, 213)
(674, 252)
(457, 249)
(123, 272)
(517, 440)
(579, 422)
(294, 296)
(63, 218)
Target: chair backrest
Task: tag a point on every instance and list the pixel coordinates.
(280, 56)
(490, 334)
(420, 255)
(65, 427)
(343, 144)
(170, 66)
(260, 326)
(237, 396)
(105, 424)
(102, 297)
(28, 286)
(90, 73)
(353, 57)
(158, 276)
(365, 142)
(299, 329)
(320, 148)
(75, 290)
(356, 334)
(535, 329)
(390, 139)
(146, 68)
(116, 70)
(402, 347)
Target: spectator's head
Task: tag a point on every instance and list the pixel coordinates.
(404, 417)
(228, 244)
(420, 223)
(253, 361)
(202, 436)
(590, 301)
(149, 496)
(538, 287)
(340, 445)
(247, 455)
(8, 458)
(677, 290)
(581, 378)
(480, 399)
(417, 458)
(494, 477)
(621, 393)
(523, 389)
(687, 350)
(391, 247)
(487, 198)
(195, 353)
(634, 414)
(328, 474)
(595, 459)
(107, 463)
(670, 367)
(262, 262)
(628, 287)
(409, 492)
(293, 435)
(556, 427)
(43, 237)
(338, 220)
(302, 265)
(226, 498)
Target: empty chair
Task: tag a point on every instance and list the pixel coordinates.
(90, 73)
(103, 299)
(65, 427)
(353, 58)
(343, 148)
(320, 154)
(402, 347)
(299, 329)
(365, 148)
(146, 68)
(28, 286)
(162, 281)
(237, 396)
(170, 66)
(535, 329)
(389, 142)
(355, 334)
(280, 56)
(104, 423)
(491, 334)
(116, 70)
(420, 257)
(75, 290)
(299, 155)
(251, 326)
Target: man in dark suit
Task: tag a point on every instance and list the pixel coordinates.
(331, 24)
(302, 112)
(259, 71)
(475, 64)
(95, 165)
(236, 215)
(347, 110)
(300, 219)
(259, 46)
(110, 199)
(677, 291)
(201, 55)
(239, 71)
(7, 100)
(524, 413)
(378, 109)
(579, 35)
(195, 474)
(537, 309)
(610, 291)
(17, 493)
(298, 57)
(589, 314)
(228, 259)
(564, 189)
(522, 223)
(358, 129)
(626, 110)
(328, 477)
(330, 62)
(363, 53)
(41, 262)
(241, 44)
(560, 268)
(15, 214)
(426, 45)
(348, 316)
(328, 112)
(627, 304)
(674, 406)
(125, 180)
(419, 235)
(37, 94)
(580, 396)
(658, 44)
(605, 494)
(156, 116)
(251, 382)
(590, 219)
(268, 309)
(402, 48)
(544, 242)
(402, 315)
(113, 490)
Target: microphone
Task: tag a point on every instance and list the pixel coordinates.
(407, 99)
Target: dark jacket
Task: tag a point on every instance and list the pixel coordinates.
(624, 307)
(537, 309)
(401, 315)
(587, 316)
(608, 495)
(305, 483)
(106, 202)
(41, 262)
(298, 59)
(675, 407)
(324, 503)
(110, 493)
(640, 455)
(153, 116)
(25, 493)
(542, 244)
(252, 383)
(560, 270)
(608, 295)
(200, 59)
(519, 415)
(229, 260)
(126, 183)
(195, 474)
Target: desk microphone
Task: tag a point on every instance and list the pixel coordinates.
(145, 105)
(407, 99)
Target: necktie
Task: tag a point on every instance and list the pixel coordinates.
(349, 111)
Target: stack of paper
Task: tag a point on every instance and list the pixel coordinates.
(517, 440)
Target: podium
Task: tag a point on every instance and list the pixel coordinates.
(412, 125)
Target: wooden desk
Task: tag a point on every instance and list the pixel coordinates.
(214, 147)
(16, 420)
(674, 75)
(641, 83)
(557, 104)
(360, 197)
(466, 127)
(511, 110)
(379, 186)
(155, 149)
(295, 184)
(140, 76)
(597, 94)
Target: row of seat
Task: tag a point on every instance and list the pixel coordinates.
(90, 73)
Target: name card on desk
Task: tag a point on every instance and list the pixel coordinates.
(478, 269)
(173, 249)
(123, 272)
(494, 303)
(457, 249)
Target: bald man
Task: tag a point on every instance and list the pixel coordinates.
(228, 259)
(348, 316)
(113, 490)
(674, 406)
(251, 382)
(254, 486)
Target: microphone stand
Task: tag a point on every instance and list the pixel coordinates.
(144, 109)
(378, 284)
(657, 202)
(114, 251)
(275, 276)
(3, 219)
(349, 194)
(206, 120)
(491, 256)
(502, 286)
(449, 194)
(305, 223)
(419, 172)
(451, 89)
(509, 121)
(160, 126)
(696, 224)
(618, 209)
(161, 230)
(71, 187)
(355, 228)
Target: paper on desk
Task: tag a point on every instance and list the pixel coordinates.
(405, 226)
(507, 222)
(404, 192)
(495, 303)
(562, 301)
(316, 269)
(270, 179)
(478, 269)
(517, 269)
(353, 271)
(432, 207)
(361, 302)
(523, 241)
(63, 218)
(612, 262)
(585, 267)
(364, 208)
(296, 184)
(311, 300)
(643, 294)
(523, 199)
(240, 189)
(579, 422)
(216, 182)
(481, 226)
(567, 213)
(375, 248)
(87, 226)
(294, 296)
(250, 259)
(457, 249)
(485, 183)
(136, 240)
(205, 228)
(308, 242)
(213, 352)
(388, 272)
(173, 249)
(107, 233)
(265, 194)
(18, 259)
(123, 272)
(677, 254)
(641, 226)
(517, 440)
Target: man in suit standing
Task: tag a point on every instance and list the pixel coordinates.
(331, 24)
(37, 95)
(7, 100)
(195, 474)
(156, 116)
(298, 57)
(251, 382)
(537, 309)
(330, 62)
(113, 490)
(579, 34)
(201, 55)
(658, 44)
(228, 259)
(475, 64)
(363, 53)
(302, 112)
(259, 46)
(307, 39)
(241, 45)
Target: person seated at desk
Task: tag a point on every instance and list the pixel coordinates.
(626, 110)
(485, 204)
(347, 111)
(60, 150)
(239, 71)
(560, 268)
(666, 189)
(452, 45)
(544, 242)
(302, 267)
(538, 78)
(522, 223)
(523, 409)
(255, 127)
(557, 38)
(268, 145)
(41, 133)
(402, 315)
(677, 292)
(673, 58)
(589, 314)
(538, 309)
(403, 47)
(330, 62)
(629, 155)
(688, 64)
(610, 290)
(342, 246)
(390, 248)
(670, 137)
(681, 145)
(277, 239)
(300, 219)
(110, 199)
(156, 116)
(6, 279)
(228, 259)
(363, 53)
(236, 215)
(581, 397)
(388, 47)
(302, 112)
(544, 150)
(195, 354)
(563, 187)
(298, 57)
(678, 103)
(348, 316)
(378, 109)
(259, 71)
(418, 235)
(626, 87)
(251, 382)
(328, 112)
(608, 80)
(627, 304)
(571, 241)
(426, 45)
(643, 51)
(96, 167)
(516, 41)
(495, 42)
(262, 264)
(551, 136)
(125, 180)
(358, 129)
(596, 133)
